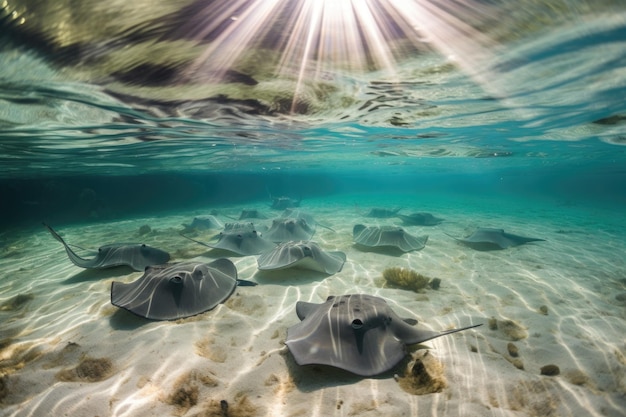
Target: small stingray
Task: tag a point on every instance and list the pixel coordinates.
(288, 229)
(174, 291)
(136, 255)
(419, 219)
(203, 223)
(387, 236)
(303, 255)
(381, 213)
(242, 239)
(251, 214)
(238, 225)
(281, 203)
(359, 333)
(485, 239)
(299, 214)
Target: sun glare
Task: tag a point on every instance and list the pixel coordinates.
(305, 39)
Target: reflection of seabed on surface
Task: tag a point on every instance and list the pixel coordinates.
(322, 37)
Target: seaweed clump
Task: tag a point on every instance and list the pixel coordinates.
(89, 370)
(424, 375)
(240, 407)
(550, 370)
(405, 278)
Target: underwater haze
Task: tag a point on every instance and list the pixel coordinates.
(115, 117)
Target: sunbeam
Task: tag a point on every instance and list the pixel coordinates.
(303, 40)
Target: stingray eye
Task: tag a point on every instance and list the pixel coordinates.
(357, 324)
(176, 280)
(143, 245)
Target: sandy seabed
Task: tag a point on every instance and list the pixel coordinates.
(553, 341)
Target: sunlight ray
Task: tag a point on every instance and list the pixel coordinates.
(307, 39)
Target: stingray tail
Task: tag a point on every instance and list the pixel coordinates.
(458, 330)
(76, 260)
(54, 233)
(449, 235)
(194, 240)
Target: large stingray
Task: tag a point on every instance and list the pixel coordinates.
(359, 333)
(303, 255)
(387, 236)
(288, 229)
(251, 214)
(136, 255)
(242, 239)
(494, 239)
(209, 222)
(419, 219)
(174, 291)
(299, 214)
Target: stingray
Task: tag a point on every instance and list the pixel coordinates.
(239, 225)
(281, 203)
(242, 239)
(419, 219)
(381, 213)
(303, 255)
(485, 239)
(251, 214)
(299, 214)
(288, 229)
(359, 333)
(203, 223)
(387, 236)
(174, 291)
(136, 255)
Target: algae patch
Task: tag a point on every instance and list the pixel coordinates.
(186, 391)
(406, 279)
(241, 406)
(510, 329)
(88, 370)
(424, 375)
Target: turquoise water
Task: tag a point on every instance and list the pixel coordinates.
(528, 136)
(557, 129)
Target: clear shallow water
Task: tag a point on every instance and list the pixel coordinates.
(530, 139)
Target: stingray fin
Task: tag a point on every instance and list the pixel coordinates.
(358, 228)
(246, 283)
(303, 309)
